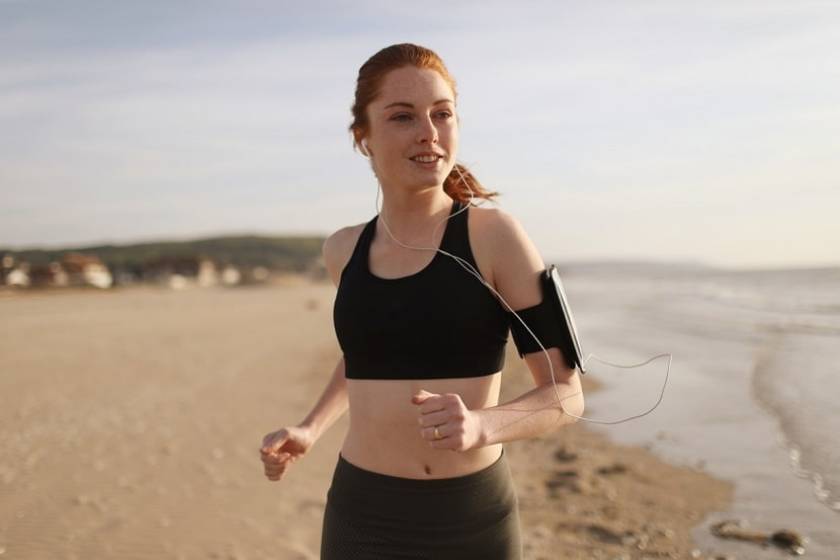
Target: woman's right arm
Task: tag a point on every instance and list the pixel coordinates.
(331, 406)
(285, 446)
(333, 403)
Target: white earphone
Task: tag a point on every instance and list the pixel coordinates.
(365, 149)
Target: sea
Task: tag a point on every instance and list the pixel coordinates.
(752, 393)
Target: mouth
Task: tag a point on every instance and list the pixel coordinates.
(427, 160)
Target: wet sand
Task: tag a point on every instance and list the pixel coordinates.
(130, 422)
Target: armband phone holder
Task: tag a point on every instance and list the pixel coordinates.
(553, 287)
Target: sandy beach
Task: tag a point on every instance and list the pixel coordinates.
(130, 422)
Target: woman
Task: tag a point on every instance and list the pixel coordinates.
(422, 471)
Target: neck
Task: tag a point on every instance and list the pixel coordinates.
(412, 217)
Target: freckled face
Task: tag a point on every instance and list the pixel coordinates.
(413, 115)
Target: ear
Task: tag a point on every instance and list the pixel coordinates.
(365, 148)
(359, 135)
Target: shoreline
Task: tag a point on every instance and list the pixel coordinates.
(583, 496)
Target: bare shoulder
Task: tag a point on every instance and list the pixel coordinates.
(493, 222)
(338, 248)
(512, 259)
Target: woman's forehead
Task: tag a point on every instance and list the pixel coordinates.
(413, 85)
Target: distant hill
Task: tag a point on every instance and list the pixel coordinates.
(293, 254)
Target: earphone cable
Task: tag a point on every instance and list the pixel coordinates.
(469, 268)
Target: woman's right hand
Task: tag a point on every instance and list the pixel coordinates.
(283, 447)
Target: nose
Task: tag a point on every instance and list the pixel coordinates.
(427, 133)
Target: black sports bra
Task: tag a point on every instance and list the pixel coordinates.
(439, 322)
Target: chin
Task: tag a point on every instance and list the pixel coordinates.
(431, 182)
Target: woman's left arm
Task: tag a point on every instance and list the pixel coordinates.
(516, 268)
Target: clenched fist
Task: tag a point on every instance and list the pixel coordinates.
(284, 447)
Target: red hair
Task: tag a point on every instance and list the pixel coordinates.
(371, 75)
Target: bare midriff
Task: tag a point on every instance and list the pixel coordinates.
(384, 434)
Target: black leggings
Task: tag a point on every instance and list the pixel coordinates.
(371, 515)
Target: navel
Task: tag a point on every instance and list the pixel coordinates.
(428, 469)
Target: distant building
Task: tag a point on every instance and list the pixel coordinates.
(50, 275)
(231, 275)
(251, 275)
(207, 273)
(78, 269)
(7, 266)
(18, 275)
(260, 273)
(183, 272)
(41, 276)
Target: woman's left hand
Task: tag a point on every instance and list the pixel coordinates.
(460, 428)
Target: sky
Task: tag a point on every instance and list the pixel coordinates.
(668, 131)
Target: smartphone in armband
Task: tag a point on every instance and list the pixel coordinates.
(571, 344)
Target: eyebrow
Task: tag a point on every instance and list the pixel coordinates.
(410, 106)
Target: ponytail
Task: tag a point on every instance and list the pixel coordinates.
(454, 185)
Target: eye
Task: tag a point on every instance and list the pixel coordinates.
(402, 117)
(445, 114)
